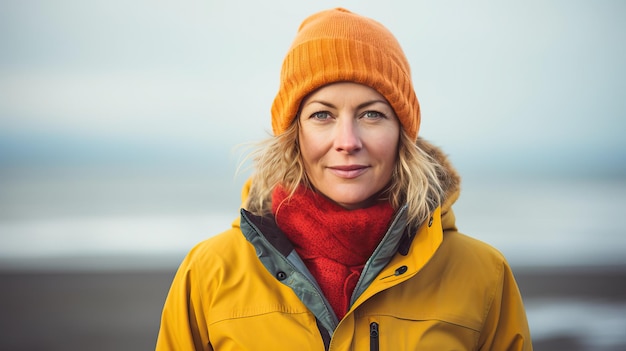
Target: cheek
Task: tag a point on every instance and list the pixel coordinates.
(310, 148)
(385, 147)
(388, 156)
(389, 160)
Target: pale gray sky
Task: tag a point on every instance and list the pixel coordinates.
(528, 84)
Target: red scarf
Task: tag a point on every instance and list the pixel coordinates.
(333, 242)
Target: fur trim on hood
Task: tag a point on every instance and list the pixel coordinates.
(448, 176)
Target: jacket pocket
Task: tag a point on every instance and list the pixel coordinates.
(390, 333)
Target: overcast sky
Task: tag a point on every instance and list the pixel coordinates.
(526, 83)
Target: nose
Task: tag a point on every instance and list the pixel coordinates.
(347, 136)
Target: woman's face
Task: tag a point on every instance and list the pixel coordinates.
(348, 139)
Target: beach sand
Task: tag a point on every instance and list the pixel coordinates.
(120, 310)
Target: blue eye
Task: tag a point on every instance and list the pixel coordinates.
(321, 115)
(373, 115)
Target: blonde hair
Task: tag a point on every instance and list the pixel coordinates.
(415, 180)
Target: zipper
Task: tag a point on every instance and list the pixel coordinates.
(374, 336)
(366, 277)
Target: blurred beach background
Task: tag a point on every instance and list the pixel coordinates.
(122, 125)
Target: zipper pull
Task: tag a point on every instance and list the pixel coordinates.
(374, 336)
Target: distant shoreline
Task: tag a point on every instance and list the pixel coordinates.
(592, 281)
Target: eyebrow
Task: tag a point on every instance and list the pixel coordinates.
(360, 106)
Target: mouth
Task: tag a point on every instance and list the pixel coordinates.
(348, 171)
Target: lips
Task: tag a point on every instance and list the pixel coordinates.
(348, 171)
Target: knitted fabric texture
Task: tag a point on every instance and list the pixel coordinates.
(338, 45)
(333, 242)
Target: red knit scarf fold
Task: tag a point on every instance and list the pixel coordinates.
(333, 242)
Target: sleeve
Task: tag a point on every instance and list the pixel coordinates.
(183, 324)
(506, 326)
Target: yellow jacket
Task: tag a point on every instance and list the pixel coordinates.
(246, 289)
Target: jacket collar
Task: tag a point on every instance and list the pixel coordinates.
(424, 243)
(388, 262)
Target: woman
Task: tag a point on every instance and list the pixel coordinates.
(347, 239)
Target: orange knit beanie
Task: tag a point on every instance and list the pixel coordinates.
(337, 45)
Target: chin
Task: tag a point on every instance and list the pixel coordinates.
(352, 202)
